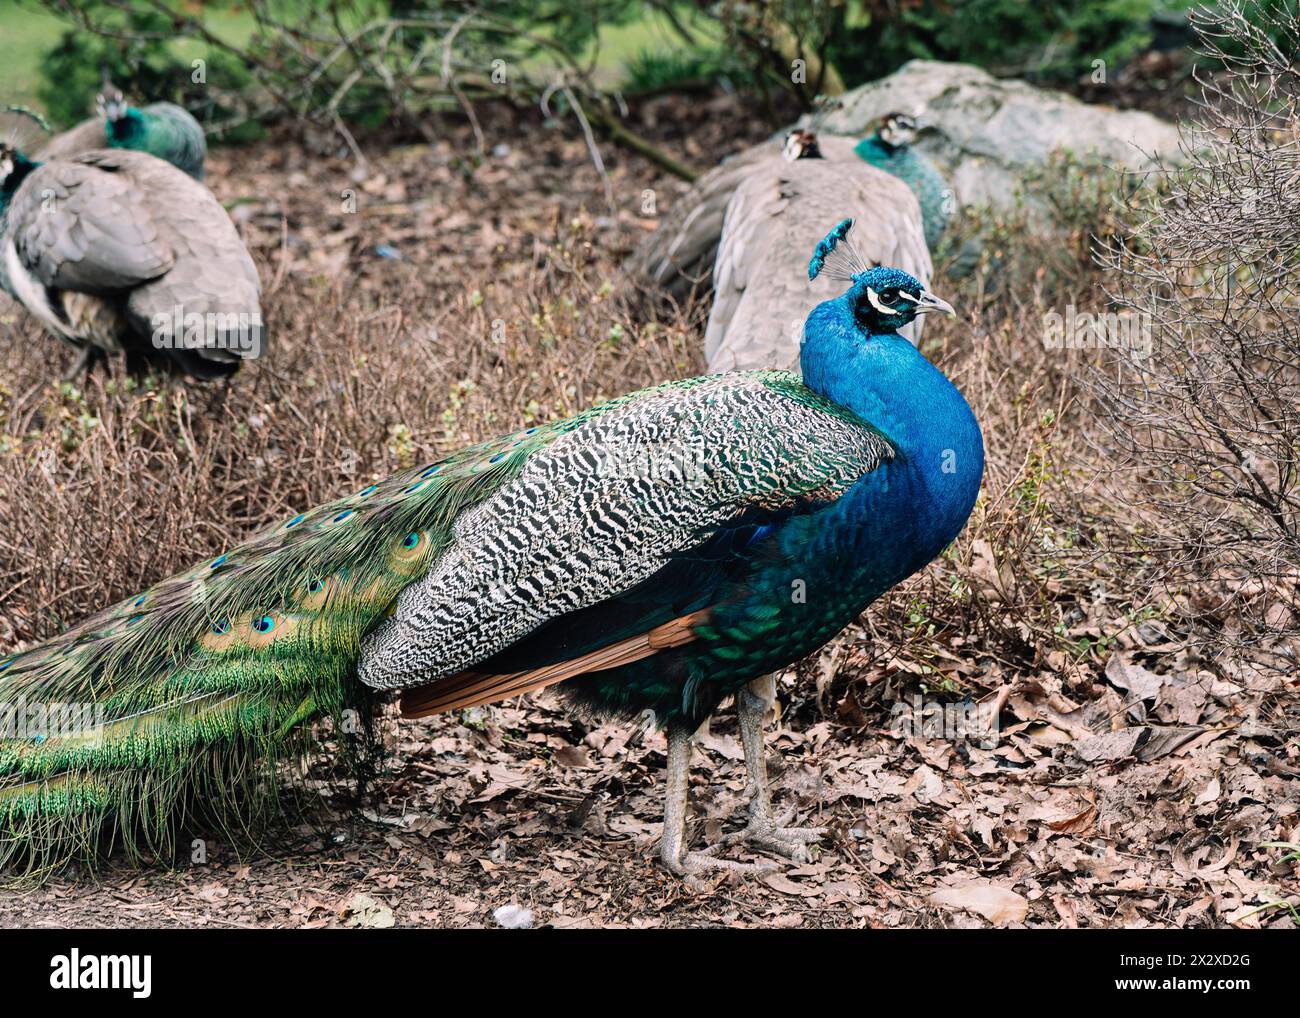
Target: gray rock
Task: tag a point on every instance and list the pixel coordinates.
(988, 133)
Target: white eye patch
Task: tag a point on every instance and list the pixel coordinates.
(875, 303)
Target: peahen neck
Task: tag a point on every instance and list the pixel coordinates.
(876, 150)
(886, 382)
(128, 130)
(21, 170)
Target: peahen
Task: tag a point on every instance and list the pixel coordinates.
(891, 148)
(657, 552)
(678, 257)
(759, 298)
(162, 129)
(117, 251)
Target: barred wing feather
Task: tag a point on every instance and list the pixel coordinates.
(609, 505)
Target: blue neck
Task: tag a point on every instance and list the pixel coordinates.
(886, 382)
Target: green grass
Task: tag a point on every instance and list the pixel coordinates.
(27, 30)
(620, 44)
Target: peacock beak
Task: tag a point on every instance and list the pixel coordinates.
(929, 302)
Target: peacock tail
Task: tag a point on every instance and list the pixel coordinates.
(186, 699)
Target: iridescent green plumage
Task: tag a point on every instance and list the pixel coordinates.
(192, 665)
(161, 129)
(164, 130)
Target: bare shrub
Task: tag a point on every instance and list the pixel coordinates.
(117, 482)
(1207, 429)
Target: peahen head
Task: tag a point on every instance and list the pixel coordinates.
(881, 300)
(897, 130)
(111, 104)
(801, 144)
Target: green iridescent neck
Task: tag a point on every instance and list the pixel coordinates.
(126, 129)
(877, 143)
(22, 168)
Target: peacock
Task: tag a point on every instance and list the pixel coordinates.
(678, 257)
(657, 552)
(759, 298)
(162, 129)
(117, 251)
(891, 148)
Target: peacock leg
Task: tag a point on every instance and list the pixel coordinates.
(672, 849)
(763, 830)
(82, 366)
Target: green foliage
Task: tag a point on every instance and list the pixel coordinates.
(571, 25)
(1051, 43)
(662, 70)
(146, 68)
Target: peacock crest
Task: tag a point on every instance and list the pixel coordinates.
(835, 257)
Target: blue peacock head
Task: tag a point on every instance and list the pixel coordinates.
(883, 299)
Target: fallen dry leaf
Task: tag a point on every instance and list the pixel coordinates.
(998, 905)
(365, 912)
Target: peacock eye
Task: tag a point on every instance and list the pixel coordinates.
(410, 541)
(314, 586)
(220, 627)
(265, 624)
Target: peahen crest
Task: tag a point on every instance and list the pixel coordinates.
(22, 129)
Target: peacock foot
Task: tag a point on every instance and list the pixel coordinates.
(767, 834)
(696, 863)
